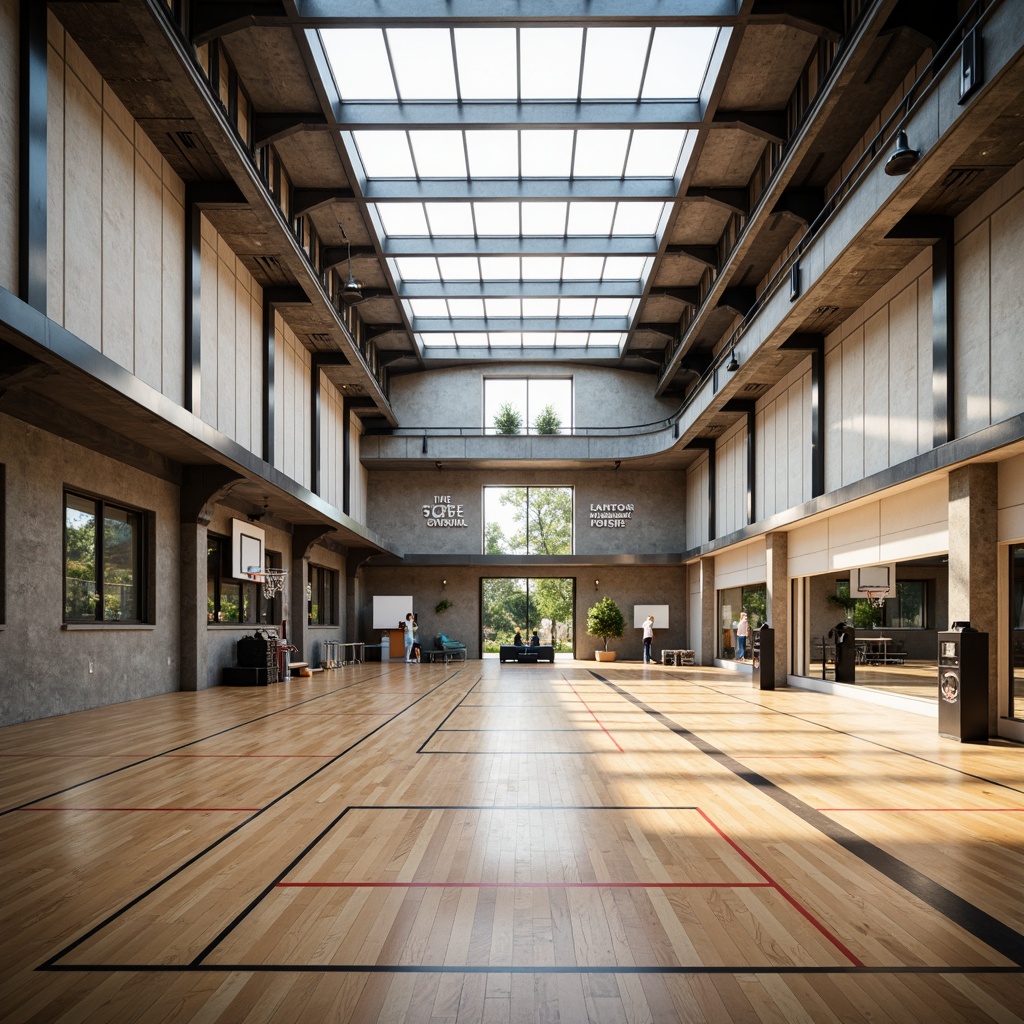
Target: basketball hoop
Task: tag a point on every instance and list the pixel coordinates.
(272, 580)
(876, 597)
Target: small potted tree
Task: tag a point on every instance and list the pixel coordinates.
(548, 421)
(605, 620)
(508, 419)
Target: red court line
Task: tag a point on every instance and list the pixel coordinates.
(806, 914)
(592, 715)
(525, 885)
(933, 810)
(133, 809)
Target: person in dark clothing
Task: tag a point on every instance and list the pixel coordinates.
(535, 640)
(517, 640)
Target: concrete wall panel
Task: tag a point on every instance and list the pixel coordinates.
(657, 525)
(62, 670)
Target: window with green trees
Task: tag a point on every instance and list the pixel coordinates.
(514, 603)
(528, 405)
(104, 553)
(528, 521)
(231, 600)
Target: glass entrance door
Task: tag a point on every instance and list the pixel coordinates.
(544, 605)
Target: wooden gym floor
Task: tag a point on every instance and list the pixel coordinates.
(486, 842)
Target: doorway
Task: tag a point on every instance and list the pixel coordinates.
(528, 604)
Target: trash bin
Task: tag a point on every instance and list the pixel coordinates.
(963, 685)
(846, 653)
(764, 658)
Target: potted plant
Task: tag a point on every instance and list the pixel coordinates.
(605, 620)
(548, 421)
(508, 419)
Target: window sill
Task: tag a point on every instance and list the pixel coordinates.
(133, 627)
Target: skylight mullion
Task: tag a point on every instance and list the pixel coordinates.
(391, 65)
(412, 156)
(625, 158)
(647, 61)
(455, 68)
(465, 156)
(572, 155)
(519, 67)
(583, 63)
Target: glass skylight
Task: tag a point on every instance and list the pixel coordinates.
(521, 339)
(542, 220)
(496, 196)
(616, 153)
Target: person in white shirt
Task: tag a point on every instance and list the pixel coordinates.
(742, 632)
(648, 638)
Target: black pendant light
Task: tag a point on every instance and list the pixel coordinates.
(903, 157)
(351, 290)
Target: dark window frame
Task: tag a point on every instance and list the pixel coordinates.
(250, 594)
(144, 560)
(322, 604)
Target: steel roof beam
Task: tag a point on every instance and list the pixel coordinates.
(505, 245)
(477, 325)
(451, 114)
(517, 352)
(518, 289)
(360, 13)
(525, 189)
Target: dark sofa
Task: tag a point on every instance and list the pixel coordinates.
(509, 652)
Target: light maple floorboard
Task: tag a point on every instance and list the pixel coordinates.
(482, 842)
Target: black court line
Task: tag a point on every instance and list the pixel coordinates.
(745, 969)
(196, 964)
(993, 932)
(183, 746)
(51, 963)
(795, 690)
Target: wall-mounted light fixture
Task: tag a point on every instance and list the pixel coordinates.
(440, 465)
(597, 583)
(903, 157)
(794, 282)
(618, 462)
(444, 583)
(733, 365)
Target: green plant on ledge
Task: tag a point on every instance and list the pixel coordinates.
(442, 606)
(548, 421)
(508, 419)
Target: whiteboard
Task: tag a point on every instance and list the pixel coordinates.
(389, 612)
(659, 611)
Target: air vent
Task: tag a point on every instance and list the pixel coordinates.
(322, 340)
(960, 178)
(268, 262)
(753, 389)
(826, 310)
(187, 140)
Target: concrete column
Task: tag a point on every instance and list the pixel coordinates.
(296, 608)
(708, 611)
(777, 566)
(973, 491)
(192, 640)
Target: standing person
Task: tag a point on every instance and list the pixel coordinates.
(742, 632)
(648, 638)
(410, 636)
